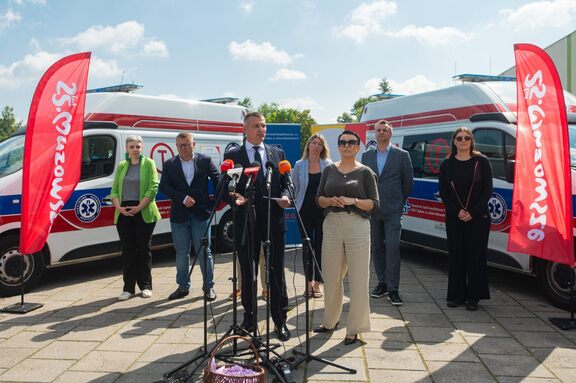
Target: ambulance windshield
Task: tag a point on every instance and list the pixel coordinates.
(11, 155)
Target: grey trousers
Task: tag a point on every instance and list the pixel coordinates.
(385, 236)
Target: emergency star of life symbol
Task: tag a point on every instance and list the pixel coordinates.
(497, 209)
(87, 208)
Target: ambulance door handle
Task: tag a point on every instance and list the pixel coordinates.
(107, 200)
(437, 196)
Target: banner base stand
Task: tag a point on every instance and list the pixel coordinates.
(21, 308)
(565, 324)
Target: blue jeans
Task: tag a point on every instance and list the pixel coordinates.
(183, 235)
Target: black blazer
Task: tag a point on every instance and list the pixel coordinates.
(173, 184)
(275, 155)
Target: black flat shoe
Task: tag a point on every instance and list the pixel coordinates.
(282, 333)
(323, 328)
(471, 306)
(349, 341)
(247, 326)
(453, 304)
(179, 293)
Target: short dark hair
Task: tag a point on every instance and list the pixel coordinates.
(351, 132)
(252, 114)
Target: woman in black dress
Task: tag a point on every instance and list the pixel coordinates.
(465, 184)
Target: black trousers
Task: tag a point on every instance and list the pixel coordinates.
(467, 269)
(313, 220)
(136, 239)
(278, 293)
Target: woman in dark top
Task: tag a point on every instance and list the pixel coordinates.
(306, 176)
(348, 193)
(465, 184)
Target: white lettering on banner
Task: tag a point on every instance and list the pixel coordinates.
(63, 102)
(534, 91)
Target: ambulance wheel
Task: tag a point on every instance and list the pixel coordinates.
(10, 267)
(555, 280)
(225, 235)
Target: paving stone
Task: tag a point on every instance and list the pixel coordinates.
(542, 339)
(470, 329)
(420, 308)
(146, 372)
(557, 357)
(106, 361)
(324, 372)
(514, 365)
(427, 320)
(460, 314)
(144, 327)
(65, 350)
(129, 343)
(13, 356)
(169, 353)
(398, 376)
(458, 352)
(567, 375)
(521, 379)
(460, 372)
(435, 335)
(394, 359)
(87, 377)
(29, 339)
(526, 324)
(36, 370)
(90, 333)
(511, 311)
(335, 348)
(497, 346)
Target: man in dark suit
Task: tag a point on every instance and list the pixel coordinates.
(185, 181)
(254, 150)
(393, 169)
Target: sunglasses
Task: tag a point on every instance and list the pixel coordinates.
(347, 142)
(463, 138)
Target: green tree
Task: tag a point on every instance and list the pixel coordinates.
(345, 117)
(247, 103)
(8, 123)
(274, 113)
(384, 86)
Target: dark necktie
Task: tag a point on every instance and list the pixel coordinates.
(258, 158)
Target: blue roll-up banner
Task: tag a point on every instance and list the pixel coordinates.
(287, 137)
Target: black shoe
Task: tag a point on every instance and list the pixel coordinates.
(394, 298)
(323, 328)
(349, 341)
(472, 306)
(210, 295)
(282, 333)
(453, 304)
(247, 326)
(179, 293)
(379, 291)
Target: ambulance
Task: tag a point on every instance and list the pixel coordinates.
(84, 229)
(423, 124)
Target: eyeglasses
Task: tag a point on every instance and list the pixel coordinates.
(463, 138)
(347, 142)
(185, 146)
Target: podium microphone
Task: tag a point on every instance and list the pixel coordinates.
(269, 169)
(251, 173)
(284, 167)
(225, 166)
(234, 174)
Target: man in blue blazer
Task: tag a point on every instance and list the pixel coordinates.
(393, 170)
(253, 150)
(185, 181)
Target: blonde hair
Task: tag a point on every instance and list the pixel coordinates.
(324, 154)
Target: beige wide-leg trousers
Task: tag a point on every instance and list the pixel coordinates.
(346, 248)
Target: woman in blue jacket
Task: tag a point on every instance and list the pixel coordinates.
(306, 178)
(133, 193)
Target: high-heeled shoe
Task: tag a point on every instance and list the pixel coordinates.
(348, 341)
(323, 328)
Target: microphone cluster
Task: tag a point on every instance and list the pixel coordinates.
(232, 172)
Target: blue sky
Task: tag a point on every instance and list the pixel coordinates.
(320, 55)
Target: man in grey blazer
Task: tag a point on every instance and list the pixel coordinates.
(393, 170)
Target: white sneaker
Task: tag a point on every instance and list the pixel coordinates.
(124, 296)
(146, 293)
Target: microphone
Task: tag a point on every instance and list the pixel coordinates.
(225, 166)
(251, 173)
(234, 175)
(269, 168)
(284, 167)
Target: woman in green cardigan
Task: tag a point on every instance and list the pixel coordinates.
(133, 192)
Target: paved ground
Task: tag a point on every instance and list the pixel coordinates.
(83, 334)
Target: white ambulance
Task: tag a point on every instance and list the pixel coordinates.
(423, 124)
(84, 229)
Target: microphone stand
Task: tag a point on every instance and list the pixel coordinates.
(307, 356)
(203, 250)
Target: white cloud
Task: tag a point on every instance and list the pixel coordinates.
(156, 48)
(9, 18)
(365, 19)
(541, 14)
(124, 37)
(288, 74)
(26, 71)
(247, 5)
(104, 68)
(416, 84)
(265, 52)
(432, 36)
(300, 103)
(229, 94)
